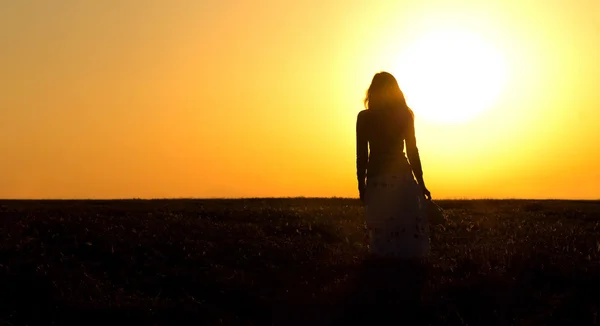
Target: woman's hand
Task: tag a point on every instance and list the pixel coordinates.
(424, 189)
(361, 192)
(426, 192)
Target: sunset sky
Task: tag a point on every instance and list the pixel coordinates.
(238, 98)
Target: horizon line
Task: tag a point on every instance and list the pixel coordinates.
(273, 197)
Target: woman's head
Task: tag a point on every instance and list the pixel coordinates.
(384, 92)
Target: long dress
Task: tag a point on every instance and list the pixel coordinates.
(395, 206)
(395, 217)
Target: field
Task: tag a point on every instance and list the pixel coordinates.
(292, 262)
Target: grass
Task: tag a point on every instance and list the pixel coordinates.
(292, 262)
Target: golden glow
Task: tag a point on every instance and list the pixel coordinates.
(451, 76)
(235, 98)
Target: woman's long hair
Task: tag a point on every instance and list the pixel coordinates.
(384, 93)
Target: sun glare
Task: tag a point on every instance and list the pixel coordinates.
(451, 77)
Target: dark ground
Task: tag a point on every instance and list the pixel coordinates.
(292, 262)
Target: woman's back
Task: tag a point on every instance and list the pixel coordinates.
(385, 131)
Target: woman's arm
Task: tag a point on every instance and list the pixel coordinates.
(413, 152)
(362, 153)
(413, 156)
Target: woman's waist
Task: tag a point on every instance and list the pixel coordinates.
(394, 168)
(387, 156)
(393, 162)
(390, 178)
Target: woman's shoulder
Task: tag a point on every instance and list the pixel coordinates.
(363, 113)
(364, 117)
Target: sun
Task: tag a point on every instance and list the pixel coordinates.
(451, 76)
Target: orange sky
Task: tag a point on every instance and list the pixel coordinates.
(232, 98)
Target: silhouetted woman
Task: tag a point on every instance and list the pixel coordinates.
(392, 189)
